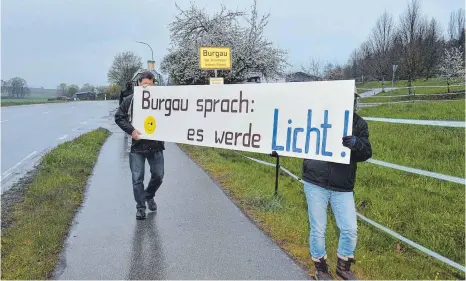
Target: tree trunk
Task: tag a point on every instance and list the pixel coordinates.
(409, 85)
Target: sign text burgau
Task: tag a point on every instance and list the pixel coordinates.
(215, 57)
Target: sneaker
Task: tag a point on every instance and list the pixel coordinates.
(344, 268)
(322, 268)
(151, 204)
(140, 214)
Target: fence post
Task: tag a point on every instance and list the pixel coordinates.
(277, 170)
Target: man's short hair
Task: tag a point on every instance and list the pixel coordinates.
(147, 75)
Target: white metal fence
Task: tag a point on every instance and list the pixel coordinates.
(386, 230)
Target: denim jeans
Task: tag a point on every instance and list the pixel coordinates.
(137, 166)
(344, 210)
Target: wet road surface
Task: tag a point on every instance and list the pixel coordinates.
(197, 232)
(28, 131)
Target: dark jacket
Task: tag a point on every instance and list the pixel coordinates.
(122, 119)
(340, 177)
(125, 93)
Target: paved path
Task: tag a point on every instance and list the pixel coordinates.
(197, 233)
(374, 92)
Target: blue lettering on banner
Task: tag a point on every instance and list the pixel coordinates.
(325, 126)
(314, 133)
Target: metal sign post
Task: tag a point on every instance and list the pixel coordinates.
(394, 67)
(277, 170)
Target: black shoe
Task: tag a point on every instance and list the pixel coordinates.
(322, 269)
(344, 268)
(140, 214)
(151, 204)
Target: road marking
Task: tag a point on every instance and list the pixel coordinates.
(8, 172)
(3, 121)
(62, 138)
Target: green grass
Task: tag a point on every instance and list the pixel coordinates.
(431, 212)
(404, 83)
(25, 101)
(452, 110)
(428, 211)
(424, 91)
(40, 223)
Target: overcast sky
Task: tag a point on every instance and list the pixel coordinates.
(48, 42)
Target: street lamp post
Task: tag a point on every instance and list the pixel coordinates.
(149, 47)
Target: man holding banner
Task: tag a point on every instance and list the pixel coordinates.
(142, 149)
(334, 182)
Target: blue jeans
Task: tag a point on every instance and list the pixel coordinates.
(345, 215)
(137, 166)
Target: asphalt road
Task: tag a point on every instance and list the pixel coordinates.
(28, 131)
(197, 232)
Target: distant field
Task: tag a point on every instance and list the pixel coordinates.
(11, 102)
(43, 93)
(39, 93)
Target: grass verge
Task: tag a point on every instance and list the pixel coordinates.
(452, 110)
(40, 222)
(400, 201)
(428, 211)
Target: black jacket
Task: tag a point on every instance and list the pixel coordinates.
(335, 176)
(122, 119)
(125, 93)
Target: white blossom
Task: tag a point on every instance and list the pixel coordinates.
(452, 64)
(250, 51)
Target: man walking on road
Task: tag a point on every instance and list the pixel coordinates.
(333, 182)
(141, 150)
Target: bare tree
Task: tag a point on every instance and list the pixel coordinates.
(62, 89)
(381, 41)
(123, 68)
(456, 24)
(456, 29)
(314, 68)
(432, 49)
(333, 72)
(366, 58)
(413, 27)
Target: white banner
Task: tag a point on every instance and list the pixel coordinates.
(304, 120)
